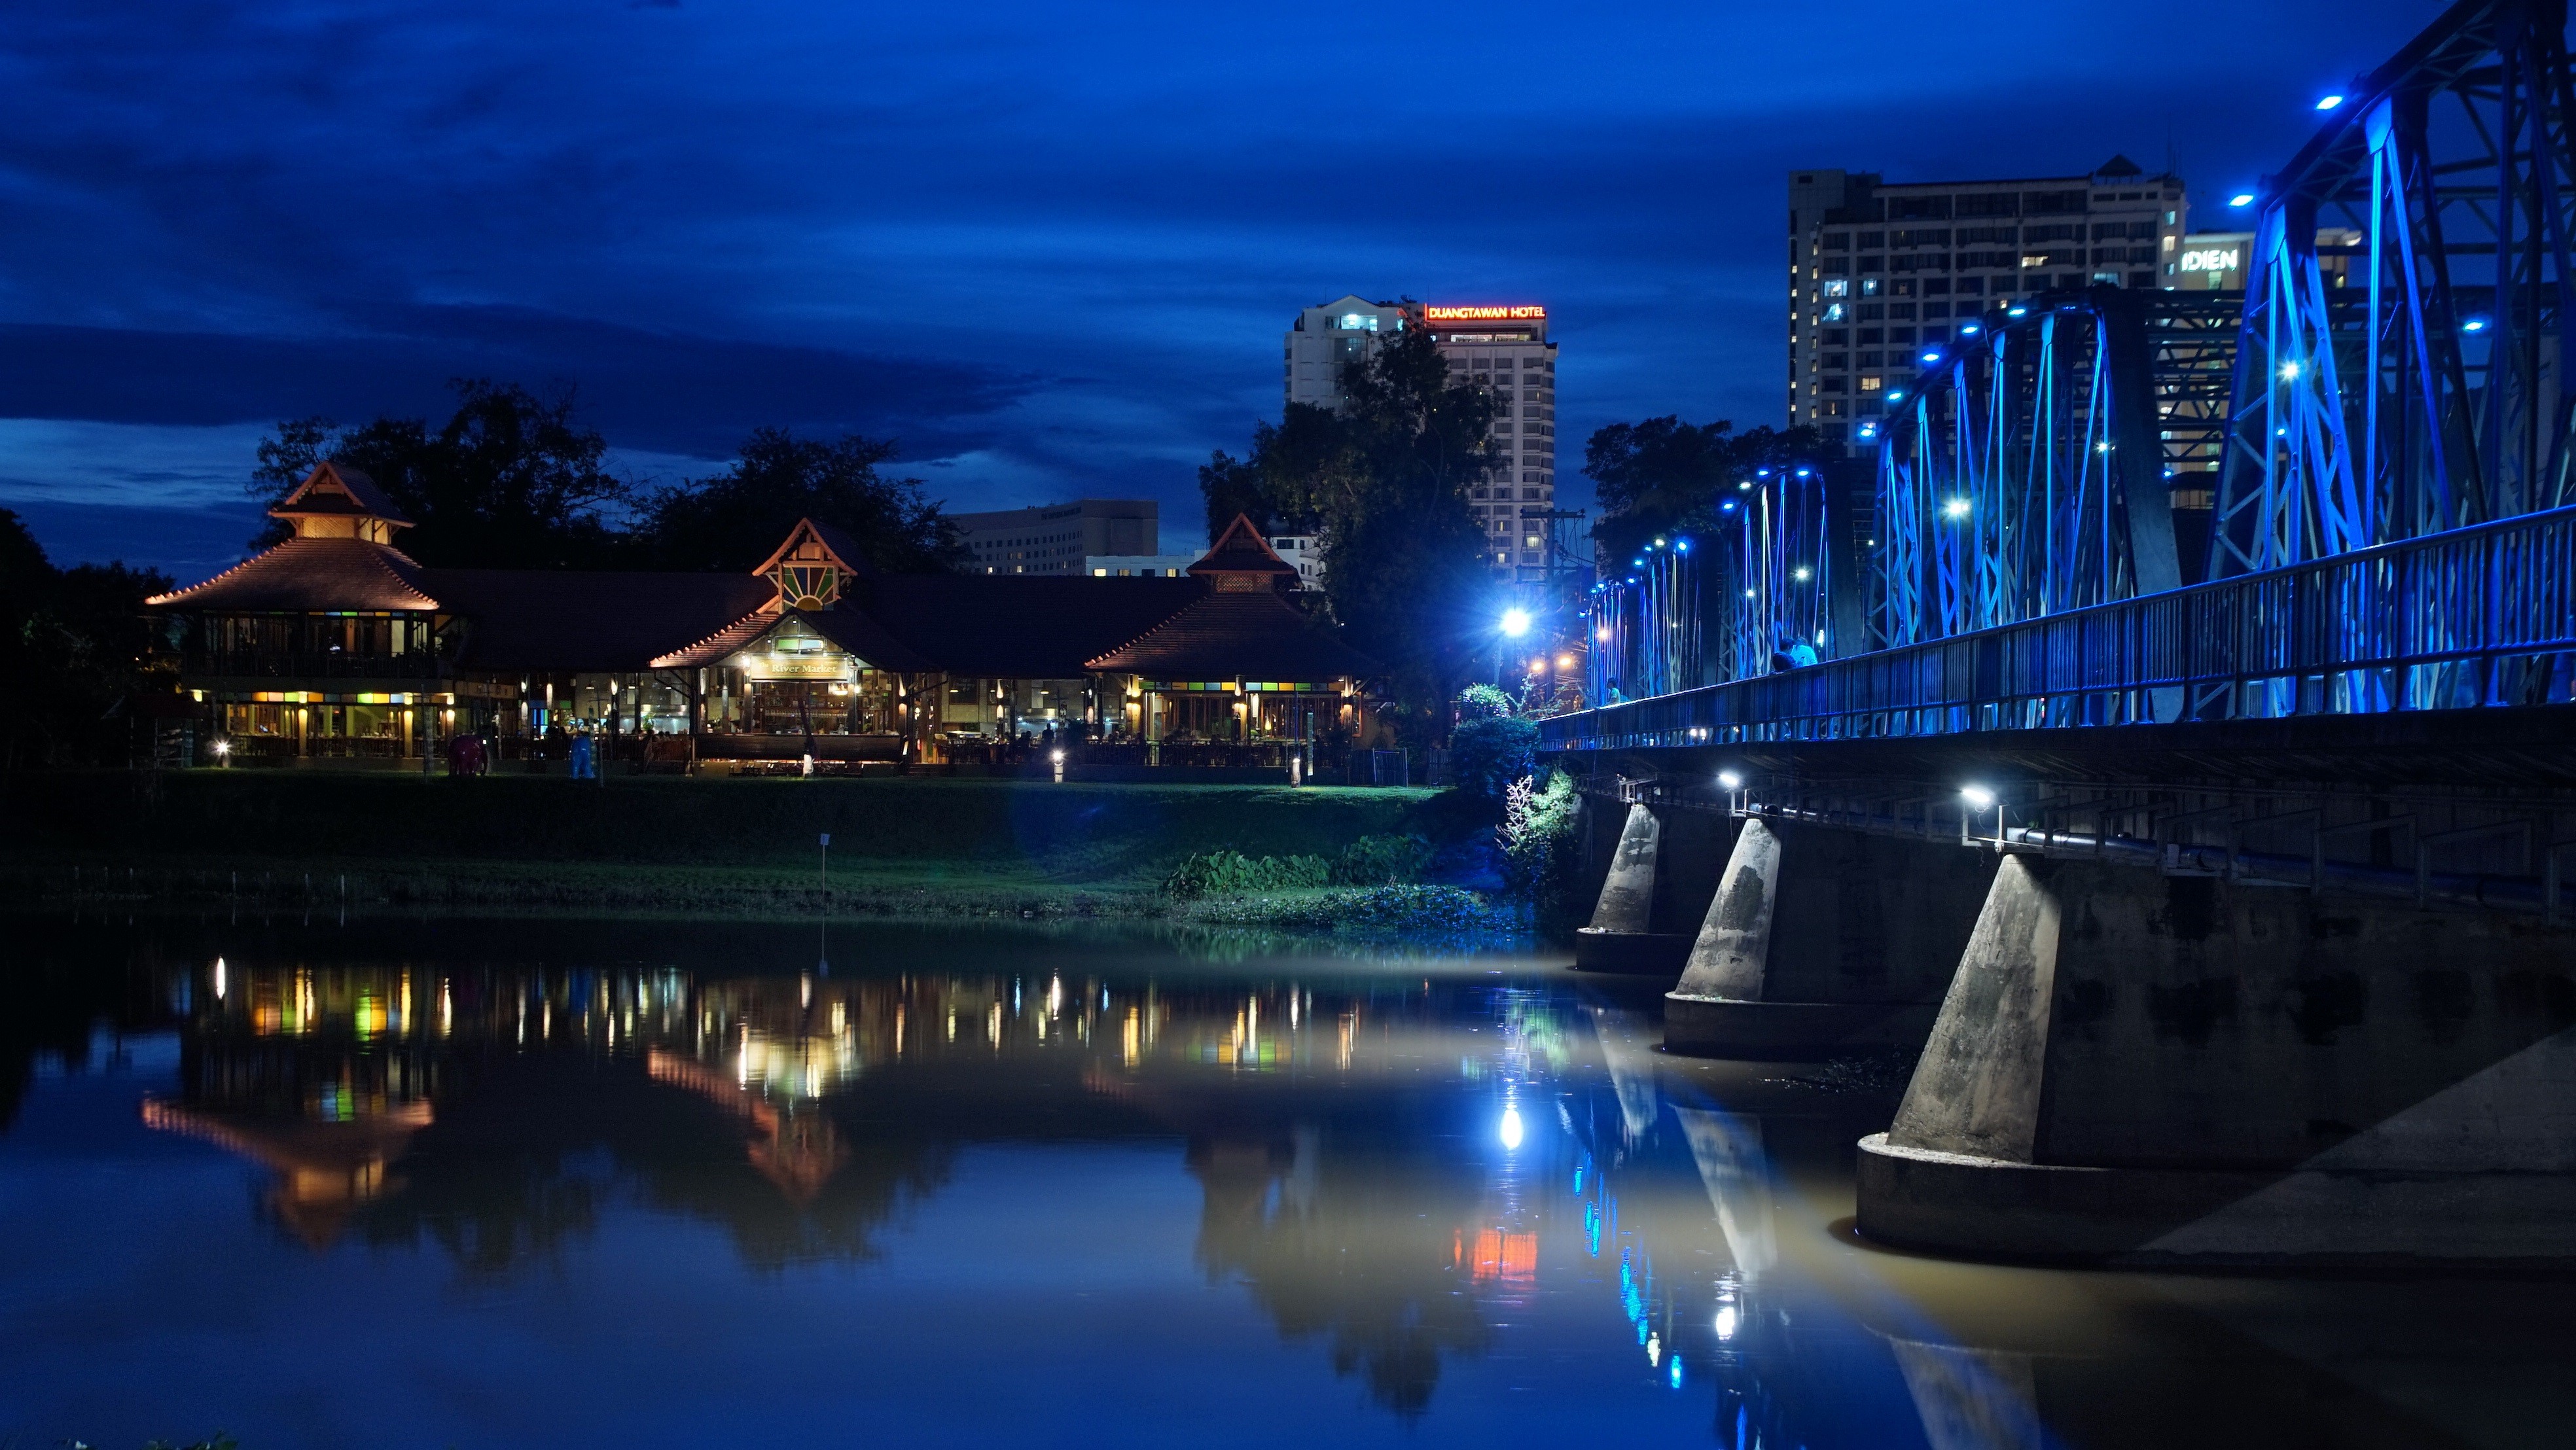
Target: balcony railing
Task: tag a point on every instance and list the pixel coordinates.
(2482, 616)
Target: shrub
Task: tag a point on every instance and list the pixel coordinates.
(1486, 755)
(1538, 838)
(1381, 861)
(1224, 873)
(1484, 702)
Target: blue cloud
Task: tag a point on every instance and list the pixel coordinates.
(1052, 248)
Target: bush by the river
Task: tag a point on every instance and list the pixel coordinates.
(1369, 861)
(1412, 910)
(1381, 861)
(1229, 873)
(1492, 746)
(1540, 816)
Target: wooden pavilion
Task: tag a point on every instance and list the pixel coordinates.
(337, 646)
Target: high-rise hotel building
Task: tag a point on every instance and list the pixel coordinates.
(1880, 272)
(1502, 349)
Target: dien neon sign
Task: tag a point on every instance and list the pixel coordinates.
(1484, 314)
(2210, 261)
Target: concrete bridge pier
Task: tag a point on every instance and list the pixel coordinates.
(1634, 897)
(1820, 941)
(2131, 1068)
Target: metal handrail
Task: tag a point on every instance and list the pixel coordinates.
(2478, 616)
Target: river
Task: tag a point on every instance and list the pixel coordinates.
(388, 1183)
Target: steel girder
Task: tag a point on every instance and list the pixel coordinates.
(1780, 580)
(2425, 393)
(2026, 474)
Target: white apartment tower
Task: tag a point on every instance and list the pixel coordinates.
(1880, 273)
(1503, 350)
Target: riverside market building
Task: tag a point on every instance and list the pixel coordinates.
(335, 646)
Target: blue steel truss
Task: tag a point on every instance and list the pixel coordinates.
(2364, 432)
(2492, 608)
(2424, 393)
(2025, 474)
(1722, 603)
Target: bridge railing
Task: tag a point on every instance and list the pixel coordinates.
(2482, 616)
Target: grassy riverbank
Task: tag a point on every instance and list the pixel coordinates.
(905, 847)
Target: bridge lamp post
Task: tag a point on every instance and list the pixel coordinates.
(1977, 798)
(1733, 784)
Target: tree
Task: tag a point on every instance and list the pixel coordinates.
(1295, 464)
(734, 519)
(1493, 746)
(510, 481)
(1384, 478)
(1666, 476)
(76, 651)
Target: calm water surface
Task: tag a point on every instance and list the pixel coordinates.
(393, 1184)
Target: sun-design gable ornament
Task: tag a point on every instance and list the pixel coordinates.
(807, 569)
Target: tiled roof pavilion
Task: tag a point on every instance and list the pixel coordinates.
(1229, 619)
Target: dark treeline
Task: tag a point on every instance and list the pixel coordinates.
(1384, 481)
(515, 481)
(1665, 476)
(76, 656)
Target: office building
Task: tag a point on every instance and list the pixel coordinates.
(1305, 554)
(1327, 337)
(1880, 272)
(2216, 261)
(1501, 348)
(1059, 538)
(1504, 351)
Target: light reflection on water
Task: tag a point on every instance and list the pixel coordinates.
(515, 1183)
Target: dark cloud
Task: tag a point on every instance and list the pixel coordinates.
(1052, 248)
(659, 391)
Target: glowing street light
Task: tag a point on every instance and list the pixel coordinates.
(2328, 103)
(1516, 622)
(1973, 800)
(2242, 198)
(1729, 780)
(1801, 572)
(1956, 508)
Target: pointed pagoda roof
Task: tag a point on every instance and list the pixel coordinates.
(314, 573)
(1242, 559)
(814, 539)
(331, 491)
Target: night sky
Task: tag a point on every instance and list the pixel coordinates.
(1051, 248)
